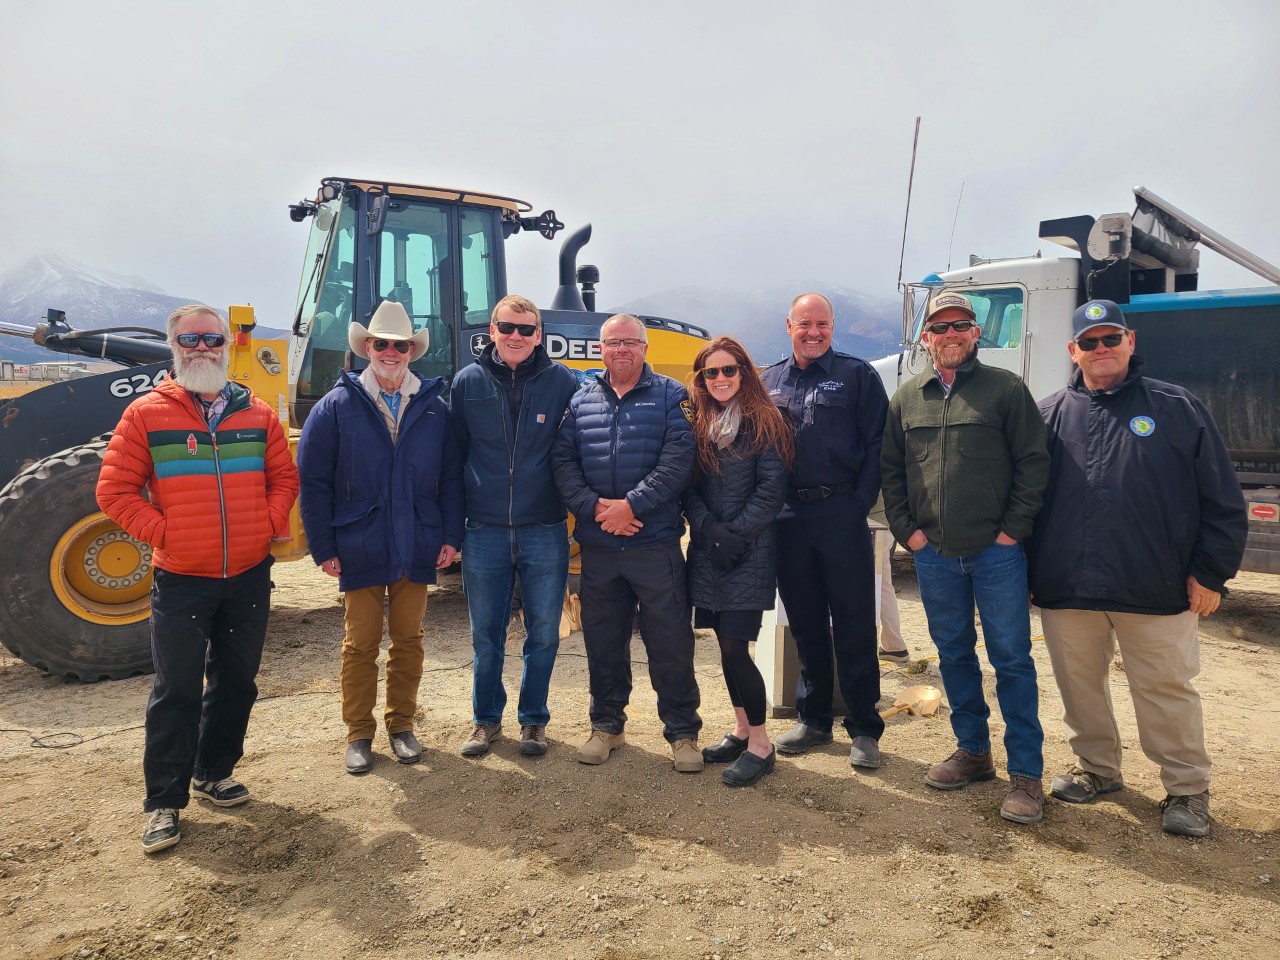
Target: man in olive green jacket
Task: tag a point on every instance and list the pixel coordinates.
(964, 467)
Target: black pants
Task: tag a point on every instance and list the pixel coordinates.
(735, 629)
(826, 578)
(207, 635)
(613, 582)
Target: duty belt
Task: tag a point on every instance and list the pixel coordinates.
(810, 494)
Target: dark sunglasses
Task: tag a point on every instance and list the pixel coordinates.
(1091, 343)
(730, 370)
(524, 329)
(190, 340)
(942, 326)
(402, 346)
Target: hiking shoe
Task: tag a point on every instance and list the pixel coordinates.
(533, 740)
(405, 746)
(224, 793)
(1081, 786)
(897, 656)
(477, 745)
(686, 756)
(359, 757)
(162, 830)
(1186, 816)
(865, 753)
(599, 745)
(801, 738)
(961, 769)
(1024, 802)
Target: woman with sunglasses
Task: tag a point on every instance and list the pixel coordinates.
(744, 450)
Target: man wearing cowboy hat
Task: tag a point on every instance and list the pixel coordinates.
(382, 504)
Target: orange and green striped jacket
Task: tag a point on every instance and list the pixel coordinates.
(215, 499)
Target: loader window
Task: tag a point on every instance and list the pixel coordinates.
(326, 297)
(415, 270)
(479, 277)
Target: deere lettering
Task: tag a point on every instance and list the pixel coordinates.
(560, 347)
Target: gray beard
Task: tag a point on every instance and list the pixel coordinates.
(201, 376)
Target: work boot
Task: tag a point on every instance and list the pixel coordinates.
(1081, 786)
(961, 769)
(359, 757)
(161, 831)
(1024, 802)
(801, 738)
(1186, 816)
(405, 746)
(533, 740)
(598, 746)
(686, 756)
(865, 753)
(477, 745)
(224, 793)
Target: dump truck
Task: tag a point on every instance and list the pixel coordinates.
(74, 587)
(1222, 345)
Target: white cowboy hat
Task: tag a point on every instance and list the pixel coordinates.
(389, 322)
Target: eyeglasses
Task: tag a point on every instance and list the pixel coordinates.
(1088, 344)
(942, 326)
(401, 346)
(190, 340)
(524, 329)
(631, 343)
(730, 370)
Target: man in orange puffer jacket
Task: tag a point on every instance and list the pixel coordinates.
(199, 469)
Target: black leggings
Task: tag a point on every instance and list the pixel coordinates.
(746, 686)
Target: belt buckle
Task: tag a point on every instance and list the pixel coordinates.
(810, 494)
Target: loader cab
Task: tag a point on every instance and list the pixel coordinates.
(437, 252)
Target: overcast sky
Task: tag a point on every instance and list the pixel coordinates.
(727, 144)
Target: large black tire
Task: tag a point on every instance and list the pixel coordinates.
(74, 587)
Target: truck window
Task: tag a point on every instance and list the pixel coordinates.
(999, 315)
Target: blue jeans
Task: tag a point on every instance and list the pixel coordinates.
(493, 557)
(996, 578)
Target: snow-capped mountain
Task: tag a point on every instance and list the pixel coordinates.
(90, 298)
(866, 326)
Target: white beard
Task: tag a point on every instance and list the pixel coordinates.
(200, 375)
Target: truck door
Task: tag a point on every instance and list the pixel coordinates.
(1001, 314)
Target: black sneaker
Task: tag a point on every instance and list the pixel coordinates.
(1186, 816)
(223, 793)
(896, 656)
(162, 830)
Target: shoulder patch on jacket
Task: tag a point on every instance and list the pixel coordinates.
(687, 409)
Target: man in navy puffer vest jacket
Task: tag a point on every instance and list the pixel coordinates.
(624, 454)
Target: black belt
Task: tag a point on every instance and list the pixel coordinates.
(810, 494)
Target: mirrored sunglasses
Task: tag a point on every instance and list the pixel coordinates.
(189, 340)
(401, 346)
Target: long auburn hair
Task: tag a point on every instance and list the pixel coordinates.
(764, 423)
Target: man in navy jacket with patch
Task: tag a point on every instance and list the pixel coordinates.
(624, 454)
(382, 501)
(506, 409)
(1143, 523)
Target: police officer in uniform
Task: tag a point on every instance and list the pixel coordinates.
(826, 570)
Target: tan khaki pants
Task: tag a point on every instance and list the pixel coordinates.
(1161, 656)
(406, 606)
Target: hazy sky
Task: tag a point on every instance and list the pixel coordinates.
(729, 144)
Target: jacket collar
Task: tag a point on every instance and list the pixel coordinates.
(646, 378)
(1076, 384)
(823, 362)
(963, 372)
(536, 362)
(428, 386)
(237, 395)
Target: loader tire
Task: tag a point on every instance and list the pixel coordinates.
(74, 587)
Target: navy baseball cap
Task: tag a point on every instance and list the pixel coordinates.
(1096, 313)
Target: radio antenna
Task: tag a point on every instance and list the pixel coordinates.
(902, 254)
(952, 241)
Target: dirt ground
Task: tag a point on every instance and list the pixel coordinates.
(511, 857)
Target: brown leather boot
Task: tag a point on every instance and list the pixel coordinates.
(960, 769)
(1024, 802)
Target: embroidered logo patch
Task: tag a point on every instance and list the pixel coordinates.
(687, 409)
(542, 418)
(1142, 426)
(1096, 311)
(191, 444)
(831, 385)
